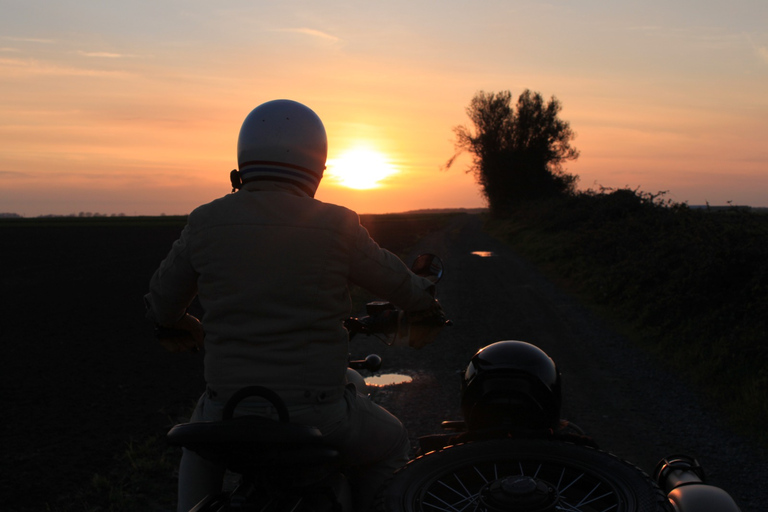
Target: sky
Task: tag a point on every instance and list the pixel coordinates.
(135, 107)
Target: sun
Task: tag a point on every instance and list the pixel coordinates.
(360, 168)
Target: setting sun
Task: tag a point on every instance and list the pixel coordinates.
(360, 169)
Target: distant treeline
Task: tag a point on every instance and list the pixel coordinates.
(80, 215)
(111, 221)
(689, 283)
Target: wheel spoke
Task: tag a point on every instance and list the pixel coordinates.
(459, 492)
(570, 484)
(586, 501)
(445, 506)
(484, 476)
(560, 479)
(466, 497)
(481, 475)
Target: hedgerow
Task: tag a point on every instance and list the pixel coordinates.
(691, 284)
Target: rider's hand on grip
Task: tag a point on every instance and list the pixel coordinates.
(186, 334)
(425, 325)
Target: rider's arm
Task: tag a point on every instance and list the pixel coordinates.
(173, 286)
(386, 276)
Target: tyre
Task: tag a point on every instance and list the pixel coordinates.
(520, 475)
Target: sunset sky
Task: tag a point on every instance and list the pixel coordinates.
(134, 107)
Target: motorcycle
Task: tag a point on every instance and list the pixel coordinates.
(493, 466)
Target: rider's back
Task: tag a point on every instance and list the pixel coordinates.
(273, 267)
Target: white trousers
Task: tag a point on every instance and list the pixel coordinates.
(371, 441)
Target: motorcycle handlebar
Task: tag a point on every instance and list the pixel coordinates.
(382, 318)
(372, 363)
(683, 479)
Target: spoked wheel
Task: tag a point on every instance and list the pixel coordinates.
(522, 476)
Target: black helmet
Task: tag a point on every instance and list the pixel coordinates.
(511, 384)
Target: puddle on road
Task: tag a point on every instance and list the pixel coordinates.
(482, 254)
(388, 379)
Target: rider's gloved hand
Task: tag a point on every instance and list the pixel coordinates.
(186, 334)
(424, 326)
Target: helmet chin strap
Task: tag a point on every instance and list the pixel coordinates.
(236, 180)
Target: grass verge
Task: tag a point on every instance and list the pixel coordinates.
(143, 479)
(691, 285)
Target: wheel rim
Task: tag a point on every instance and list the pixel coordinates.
(577, 489)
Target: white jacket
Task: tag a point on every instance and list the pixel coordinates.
(271, 267)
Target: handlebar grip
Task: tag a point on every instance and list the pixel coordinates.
(162, 332)
(371, 363)
(683, 480)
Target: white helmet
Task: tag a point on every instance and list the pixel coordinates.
(283, 140)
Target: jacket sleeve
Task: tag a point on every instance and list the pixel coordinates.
(384, 274)
(174, 284)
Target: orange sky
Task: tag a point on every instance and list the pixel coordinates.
(135, 108)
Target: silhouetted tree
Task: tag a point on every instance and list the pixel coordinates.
(518, 152)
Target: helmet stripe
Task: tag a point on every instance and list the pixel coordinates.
(261, 170)
(309, 190)
(268, 163)
(276, 171)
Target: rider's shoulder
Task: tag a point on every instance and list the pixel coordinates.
(340, 215)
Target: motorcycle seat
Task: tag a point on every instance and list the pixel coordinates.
(254, 443)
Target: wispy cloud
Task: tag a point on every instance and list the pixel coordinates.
(762, 53)
(312, 32)
(639, 28)
(21, 67)
(103, 55)
(698, 36)
(29, 40)
(13, 174)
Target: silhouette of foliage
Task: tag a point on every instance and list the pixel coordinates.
(518, 152)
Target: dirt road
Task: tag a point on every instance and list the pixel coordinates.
(612, 390)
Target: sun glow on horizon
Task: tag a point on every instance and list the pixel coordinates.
(360, 168)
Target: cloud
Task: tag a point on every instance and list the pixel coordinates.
(313, 33)
(29, 40)
(14, 174)
(762, 53)
(105, 55)
(26, 67)
(641, 28)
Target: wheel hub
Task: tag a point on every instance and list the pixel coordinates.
(519, 494)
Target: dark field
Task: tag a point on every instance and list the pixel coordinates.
(82, 376)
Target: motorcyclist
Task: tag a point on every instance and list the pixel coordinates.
(271, 267)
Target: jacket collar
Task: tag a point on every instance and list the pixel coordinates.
(273, 186)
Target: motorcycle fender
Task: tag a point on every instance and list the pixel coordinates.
(355, 378)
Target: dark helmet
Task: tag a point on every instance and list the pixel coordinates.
(511, 384)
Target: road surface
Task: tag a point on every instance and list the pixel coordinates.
(612, 390)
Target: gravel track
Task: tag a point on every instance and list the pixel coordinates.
(612, 390)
